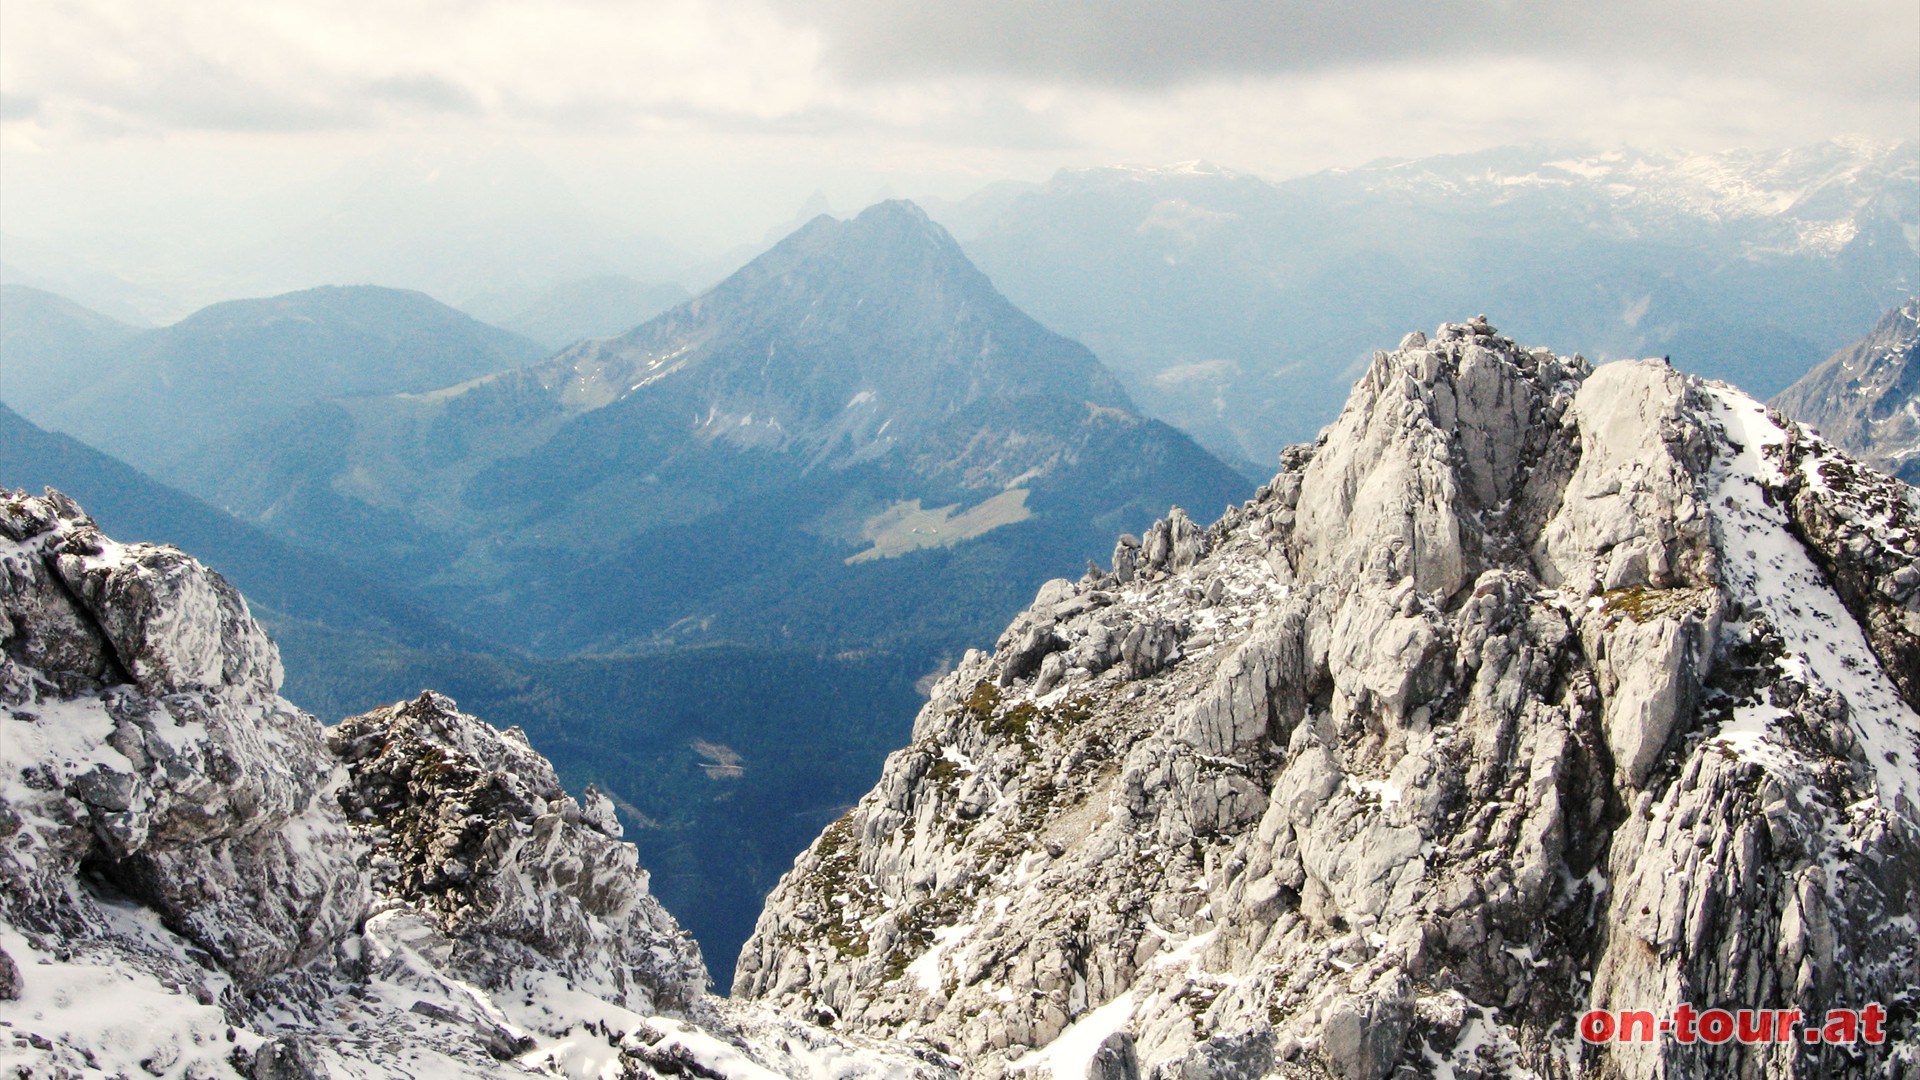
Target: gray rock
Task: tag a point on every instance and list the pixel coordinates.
(1362, 1035)
(1495, 705)
(472, 829)
(1115, 1059)
(471, 913)
(288, 1057)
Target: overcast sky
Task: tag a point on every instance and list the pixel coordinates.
(709, 120)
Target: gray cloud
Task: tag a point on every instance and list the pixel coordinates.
(19, 106)
(1151, 43)
(424, 91)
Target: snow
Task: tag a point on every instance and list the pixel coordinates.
(1068, 1056)
(718, 1056)
(1767, 568)
(1385, 792)
(926, 969)
(1482, 1042)
(1187, 951)
(68, 738)
(112, 1020)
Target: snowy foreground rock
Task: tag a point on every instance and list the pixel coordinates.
(198, 881)
(1527, 689)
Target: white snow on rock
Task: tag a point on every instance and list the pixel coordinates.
(1767, 567)
(1069, 1056)
(183, 893)
(1529, 688)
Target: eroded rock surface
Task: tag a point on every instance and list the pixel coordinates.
(201, 882)
(470, 827)
(1527, 689)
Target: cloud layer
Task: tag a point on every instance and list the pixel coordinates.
(1151, 43)
(1026, 71)
(698, 101)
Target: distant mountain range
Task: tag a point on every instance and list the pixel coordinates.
(1241, 309)
(853, 441)
(740, 534)
(1866, 397)
(287, 583)
(602, 306)
(151, 396)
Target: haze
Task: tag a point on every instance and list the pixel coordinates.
(173, 152)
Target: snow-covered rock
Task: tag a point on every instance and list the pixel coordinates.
(470, 828)
(197, 881)
(1527, 689)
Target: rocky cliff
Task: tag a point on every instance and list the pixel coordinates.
(200, 881)
(1529, 688)
(1866, 397)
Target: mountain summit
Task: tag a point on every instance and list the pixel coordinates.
(1528, 689)
(850, 341)
(853, 449)
(858, 396)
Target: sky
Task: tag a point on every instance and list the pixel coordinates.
(707, 122)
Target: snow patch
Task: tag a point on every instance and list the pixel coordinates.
(926, 969)
(1768, 569)
(1069, 1055)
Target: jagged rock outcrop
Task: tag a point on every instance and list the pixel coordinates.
(201, 882)
(1866, 397)
(470, 827)
(146, 747)
(1527, 689)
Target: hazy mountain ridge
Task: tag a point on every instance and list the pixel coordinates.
(51, 345)
(1866, 397)
(1240, 308)
(758, 431)
(153, 396)
(289, 582)
(592, 307)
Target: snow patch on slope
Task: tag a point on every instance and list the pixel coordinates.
(1769, 570)
(1069, 1056)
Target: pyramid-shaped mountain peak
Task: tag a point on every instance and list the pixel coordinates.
(891, 246)
(859, 392)
(882, 310)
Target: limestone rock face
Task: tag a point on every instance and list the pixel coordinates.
(145, 742)
(1527, 689)
(470, 827)
(197, 881)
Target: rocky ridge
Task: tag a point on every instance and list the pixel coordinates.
(1529, 688)
(202, 882)
(1866, 397)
